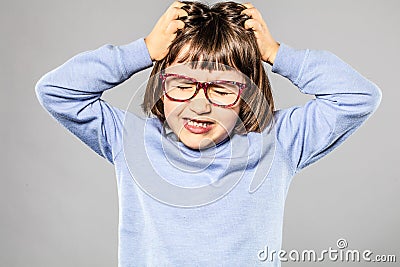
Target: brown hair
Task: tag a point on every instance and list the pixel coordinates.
(217, 34)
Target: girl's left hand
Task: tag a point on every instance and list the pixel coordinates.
(266, 43)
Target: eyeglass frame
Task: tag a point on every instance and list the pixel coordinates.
(200, 85)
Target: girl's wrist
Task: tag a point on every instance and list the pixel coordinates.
(272, 55)
(151, 53)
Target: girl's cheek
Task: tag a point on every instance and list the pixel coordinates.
(169, 108)
(172, 110)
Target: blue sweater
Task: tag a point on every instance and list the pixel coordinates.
(158, 227)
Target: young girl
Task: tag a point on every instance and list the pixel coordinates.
(203, 179)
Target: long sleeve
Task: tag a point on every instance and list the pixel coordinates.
(71, 93)
(344, 99)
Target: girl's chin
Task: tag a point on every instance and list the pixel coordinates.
(198, 144)
(200, 141)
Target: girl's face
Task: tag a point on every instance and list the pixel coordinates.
(198, 123)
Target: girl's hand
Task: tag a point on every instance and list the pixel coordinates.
(266, 44)
(164, 32)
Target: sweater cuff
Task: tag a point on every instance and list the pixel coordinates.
(289, 62)
(135, 57)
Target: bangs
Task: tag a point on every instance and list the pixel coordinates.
(214, 46)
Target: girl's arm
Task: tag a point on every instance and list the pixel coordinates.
(71, 93)
(344, 100)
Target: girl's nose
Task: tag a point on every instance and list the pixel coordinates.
(200, 104)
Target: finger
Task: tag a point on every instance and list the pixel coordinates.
(177, 4)
(253, 13)
(248, 5)
(172, 8)
(176, 13)
(179, 24)
(174, 26)
(181, 13)
(253, 24)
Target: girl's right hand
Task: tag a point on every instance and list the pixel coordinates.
(164, 32)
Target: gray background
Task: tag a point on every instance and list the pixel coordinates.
(58, 199)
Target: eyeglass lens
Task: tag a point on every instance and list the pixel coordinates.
(218, 92)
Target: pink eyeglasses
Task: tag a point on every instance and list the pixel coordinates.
(220, 93)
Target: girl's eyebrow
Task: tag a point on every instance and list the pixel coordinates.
(215, 76)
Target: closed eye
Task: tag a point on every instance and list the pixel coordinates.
(222, 93)
(183, 87)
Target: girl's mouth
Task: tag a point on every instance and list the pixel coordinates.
(198, 126)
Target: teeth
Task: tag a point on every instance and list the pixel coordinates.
(198, 124)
